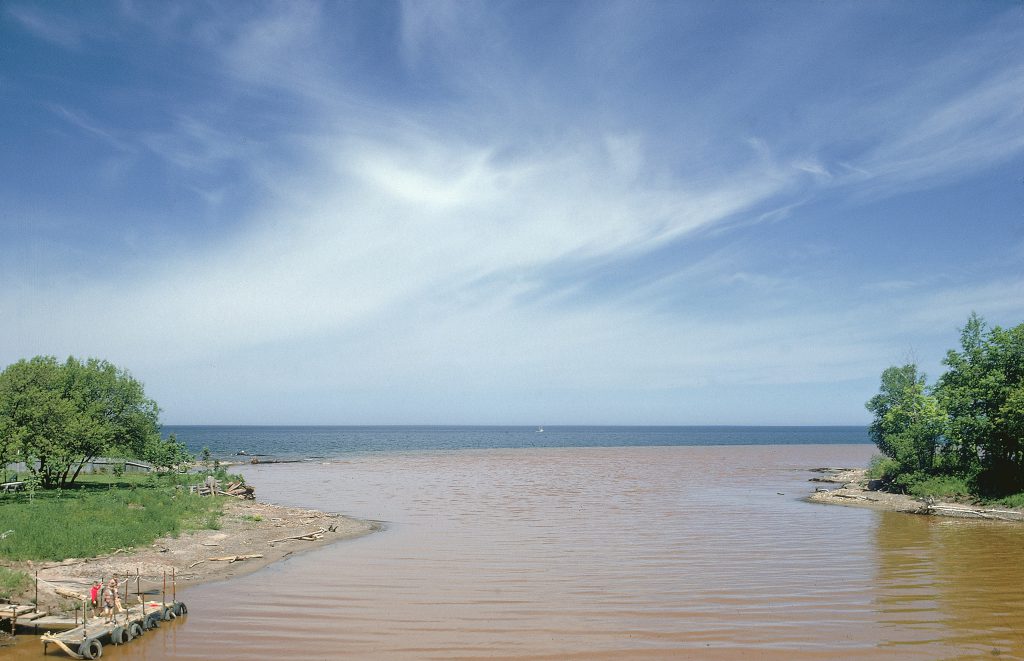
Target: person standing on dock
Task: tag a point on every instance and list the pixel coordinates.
(94, 596)
(111, 600)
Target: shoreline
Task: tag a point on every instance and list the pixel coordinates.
(856, 490)
(251, 536)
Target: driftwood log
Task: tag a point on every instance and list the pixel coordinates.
(308, 537)
(228, 559)
(70, 594)
(854, 497)
(1001, 515)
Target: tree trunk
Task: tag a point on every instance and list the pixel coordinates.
(79, 469)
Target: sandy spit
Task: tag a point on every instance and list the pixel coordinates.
(857, 491)
(248, 528)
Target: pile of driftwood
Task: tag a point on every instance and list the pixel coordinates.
(212, 488)
(239, 490)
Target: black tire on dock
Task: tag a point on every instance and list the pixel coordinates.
(119, 636)
(152, 621)
(134, 630)
(167, 613)
(179, 609)
(91, 648)
(182, 608)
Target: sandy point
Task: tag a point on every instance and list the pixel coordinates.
(251, 536)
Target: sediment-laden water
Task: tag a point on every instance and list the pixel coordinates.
(627, 552)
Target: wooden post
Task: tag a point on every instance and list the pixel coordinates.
(174, 587)
(163, 595)
(126, 603)
(37, 589)
(138, 592)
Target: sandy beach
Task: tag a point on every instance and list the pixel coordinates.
(252, 535)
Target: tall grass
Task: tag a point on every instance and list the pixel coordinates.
(13, 582)
(98, 519)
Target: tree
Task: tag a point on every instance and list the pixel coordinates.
(983, 391)
(56, 417)
(909, 422)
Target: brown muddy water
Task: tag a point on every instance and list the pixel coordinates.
(666, 552)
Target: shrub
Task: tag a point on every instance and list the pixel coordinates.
(882, 468)
(939, 486)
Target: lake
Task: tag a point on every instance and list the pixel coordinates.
(670, 551)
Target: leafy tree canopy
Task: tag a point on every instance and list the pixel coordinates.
(55, 417)
(971, 424)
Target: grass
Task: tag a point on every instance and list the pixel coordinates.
(946, 486)
(101, 515)
(1016, 500)
(13, 582)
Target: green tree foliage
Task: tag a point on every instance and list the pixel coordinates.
(57, 416)
(971, 426)
(909, 423)
(983, 392)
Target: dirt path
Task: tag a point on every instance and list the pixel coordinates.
(248, 528)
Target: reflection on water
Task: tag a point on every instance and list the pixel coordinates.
(959, 581)
(645, 552)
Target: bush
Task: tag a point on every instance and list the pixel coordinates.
(882, 468)
(939, 486)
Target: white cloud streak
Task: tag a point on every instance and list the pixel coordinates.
(415, 252)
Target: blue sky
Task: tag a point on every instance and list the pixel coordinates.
(509, 212)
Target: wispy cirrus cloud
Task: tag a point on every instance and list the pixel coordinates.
(486, 223)
(47, 25)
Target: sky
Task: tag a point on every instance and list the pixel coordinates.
(595, 212)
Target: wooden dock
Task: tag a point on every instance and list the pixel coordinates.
(86, 640)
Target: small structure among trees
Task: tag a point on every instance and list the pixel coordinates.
(968, 427)
(57, 417)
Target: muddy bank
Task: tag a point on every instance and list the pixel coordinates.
(251, 536)
(855, 489)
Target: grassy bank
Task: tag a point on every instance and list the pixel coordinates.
(13, 582)
(933, 483)
(103, 514)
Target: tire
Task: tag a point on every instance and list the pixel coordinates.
(179, 609)
(152, 621)
(183, 608)
(91, 649)
(134, 630)
(119, 636)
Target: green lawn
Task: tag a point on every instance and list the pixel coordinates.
(99, 516)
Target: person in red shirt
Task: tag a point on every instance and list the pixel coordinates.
(94, 596)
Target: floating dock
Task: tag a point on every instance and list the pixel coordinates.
(86, 640)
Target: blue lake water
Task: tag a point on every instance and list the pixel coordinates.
(304, 442)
